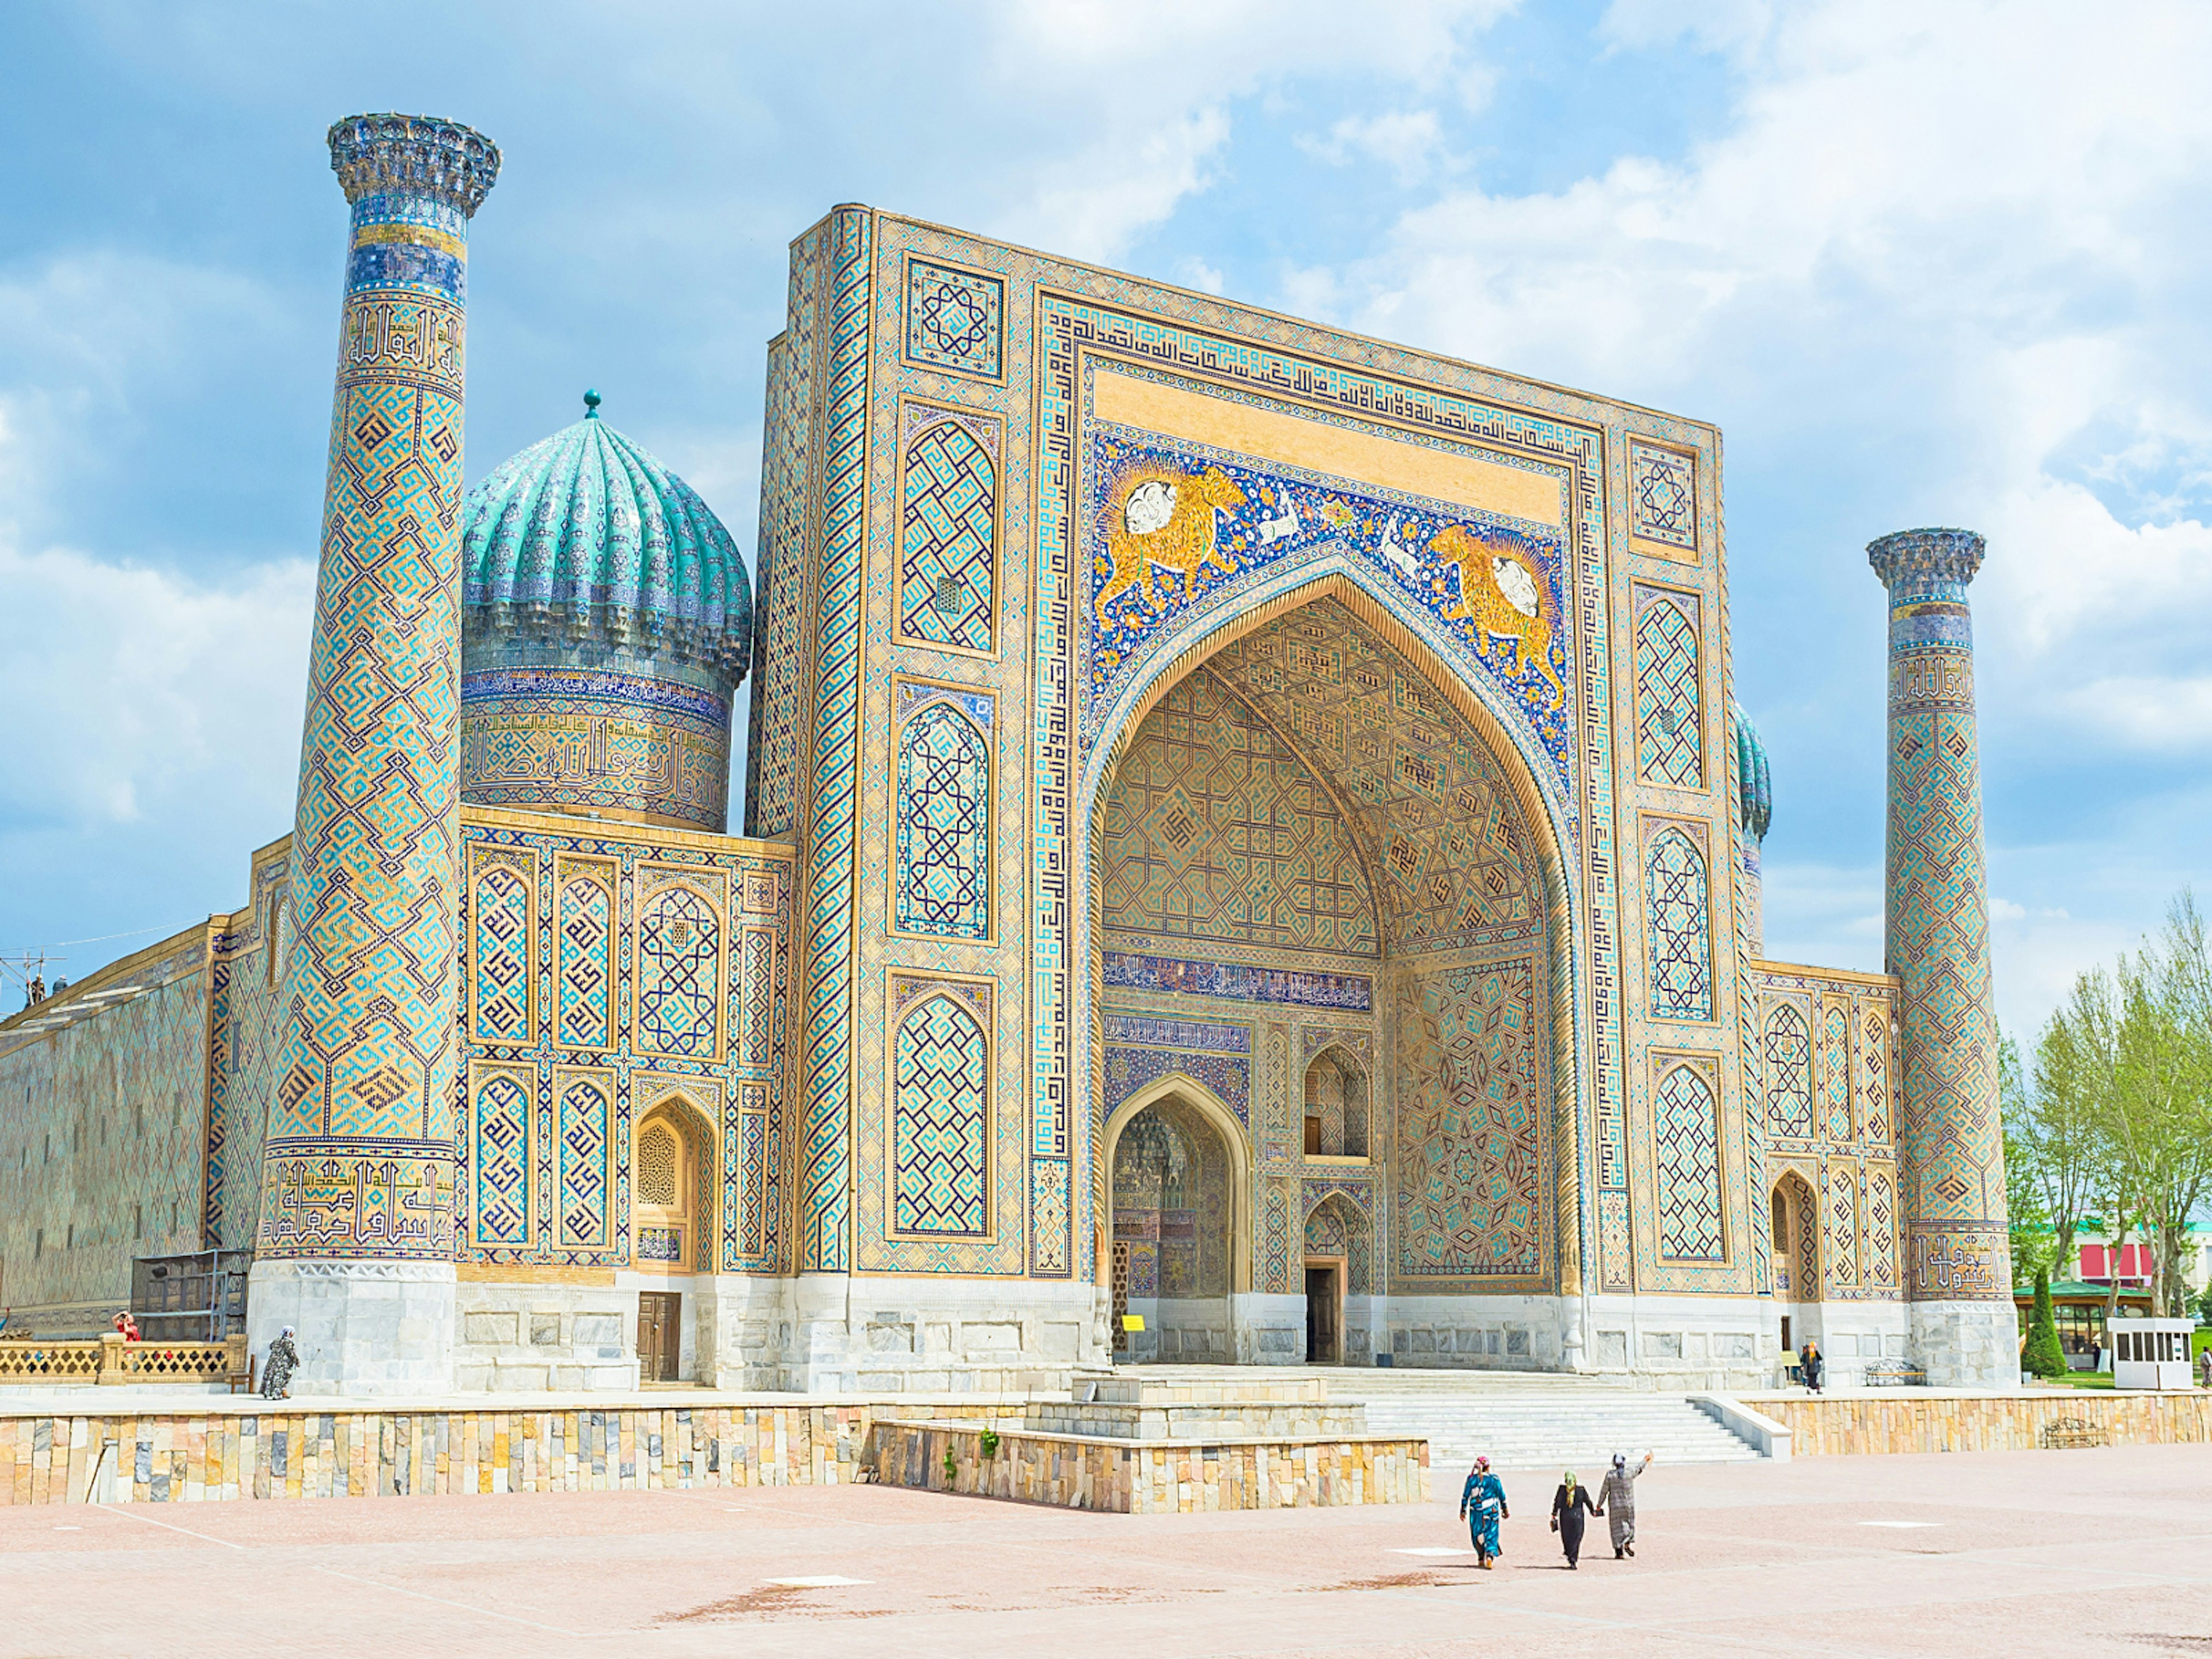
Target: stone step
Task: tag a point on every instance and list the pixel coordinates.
(1542, 1434)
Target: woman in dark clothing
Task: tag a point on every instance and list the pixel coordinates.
(283, 1360)
(1570, 1504)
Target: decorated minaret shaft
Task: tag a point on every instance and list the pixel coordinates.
(359, 1162)
(1950, 1152)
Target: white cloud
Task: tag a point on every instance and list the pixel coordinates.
(133, 695)
(1408, 143)
(1971, 227)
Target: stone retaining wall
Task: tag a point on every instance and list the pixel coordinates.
(195, 1455)
(1837, 1426)
(1152, 1478)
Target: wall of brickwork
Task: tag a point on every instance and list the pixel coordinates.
(1137, 1477)
(101, 1121)
(1855, 1426)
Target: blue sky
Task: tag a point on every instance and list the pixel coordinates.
(1922, 265)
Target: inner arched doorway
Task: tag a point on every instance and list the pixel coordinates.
(1175, 1224)
(671, 1188)
(1313, 840)
(1793, 1217)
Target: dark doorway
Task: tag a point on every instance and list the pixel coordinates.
(1788, 1346)
(1324, 1306)
(660, 1334)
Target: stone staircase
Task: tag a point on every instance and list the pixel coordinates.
(1533, 1422)
(1544, 1421)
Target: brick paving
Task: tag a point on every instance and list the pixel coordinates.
(2018, 1553)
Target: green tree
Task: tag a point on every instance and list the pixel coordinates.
(2043, 1357)
(2159, 1116)
(2056, 1118)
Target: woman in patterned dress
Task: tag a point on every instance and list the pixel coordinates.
(283, 1360)
(1617, 1502)
(1482, 1506)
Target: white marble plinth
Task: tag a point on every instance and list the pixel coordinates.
(362, 1327)
(1967, 1344)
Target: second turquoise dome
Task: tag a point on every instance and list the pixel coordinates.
(586, 532)
(606, 624)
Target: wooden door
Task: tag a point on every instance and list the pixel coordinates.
(660, 1334)
(1323, 1310)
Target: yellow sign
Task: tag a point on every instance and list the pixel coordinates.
(1133, 1322)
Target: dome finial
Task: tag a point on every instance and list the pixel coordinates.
(591, 405)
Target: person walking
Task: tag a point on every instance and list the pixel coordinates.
(2204, 1369)
(1482, 1506)
(1570, 1507)
(283, 1360)
(1617, 1503)
(1808, 1365)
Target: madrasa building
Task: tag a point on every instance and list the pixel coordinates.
(1249, 854)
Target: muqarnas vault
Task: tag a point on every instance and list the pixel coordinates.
(1250, 855)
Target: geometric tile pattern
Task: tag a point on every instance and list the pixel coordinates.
(361, 1158)
(501, 912)
(679, 962)
(1841, 1230)
(586, 1115)
(1337, 1228)
(1423, 794)
(940, 1121)
(502, 1160)
(1836, 1072)
(1662, 499)
(1215, 830)
(941, 868)
(947, 576)
(1873, 1076)
(1680, 928)
(1687, 1140)
(1669, 719)
(1789, 1066)
(537, 736)
(1470, 1156)
(584, 979)
(1881, 1228)
(598, 968)
(954, 319)
(1950, 1139)
(825, 1182)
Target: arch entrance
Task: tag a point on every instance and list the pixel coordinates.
(1312, 836)
(1795, 1217)
(1177, 1225)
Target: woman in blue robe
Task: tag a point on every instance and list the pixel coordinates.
(1482, 1506)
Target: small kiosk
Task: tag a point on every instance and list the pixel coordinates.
(2151, 1354)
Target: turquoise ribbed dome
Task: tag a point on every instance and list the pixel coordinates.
(1754, 783)
(588, 535)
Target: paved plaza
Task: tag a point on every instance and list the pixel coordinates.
(2009, 1553)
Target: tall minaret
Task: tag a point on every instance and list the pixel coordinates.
(357, 1240)
(1951, 1150)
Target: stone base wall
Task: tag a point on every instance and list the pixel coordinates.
(206, 1453)
(1912, 1420)
(1171, 1477)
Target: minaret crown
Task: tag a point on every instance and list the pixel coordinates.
(1947, 555)
(418, 154)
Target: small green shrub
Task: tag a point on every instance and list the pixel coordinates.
(990, 1442)
(951, 1468)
